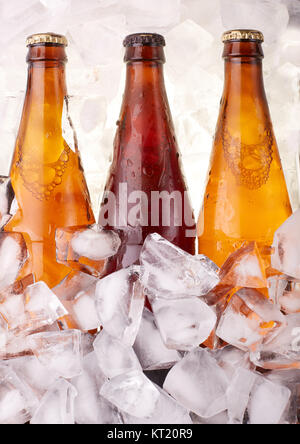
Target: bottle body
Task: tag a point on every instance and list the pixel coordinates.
(246, 197)
(146, 179)
(46, 172)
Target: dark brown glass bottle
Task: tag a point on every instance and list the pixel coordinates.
(46, 171)
(146, 159)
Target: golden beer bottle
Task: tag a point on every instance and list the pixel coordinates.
(246, 197)
(46, 171)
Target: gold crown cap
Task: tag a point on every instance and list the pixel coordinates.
(243, 34)
(48, 37)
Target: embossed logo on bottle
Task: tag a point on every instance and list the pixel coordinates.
(41, 181)
(249, 163)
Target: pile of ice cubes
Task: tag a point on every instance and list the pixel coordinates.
(219, 346)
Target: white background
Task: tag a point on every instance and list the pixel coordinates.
(194, 72)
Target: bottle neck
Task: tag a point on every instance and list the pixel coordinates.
(144, 80)
(145, 77)
(46, 77)
(145, 116)
(244, 78)
(243, 70)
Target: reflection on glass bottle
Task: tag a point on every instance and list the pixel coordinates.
(246, 197)
(146, 187)
(46, 171)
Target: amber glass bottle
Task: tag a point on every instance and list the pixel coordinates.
(146, 187)
(46, 172)
(246, 197)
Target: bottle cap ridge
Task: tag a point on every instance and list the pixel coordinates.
(144, 39)
(243, 34)
(49, 37)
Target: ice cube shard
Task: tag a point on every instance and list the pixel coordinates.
(86, 248)
(170, 273)
(120, 302)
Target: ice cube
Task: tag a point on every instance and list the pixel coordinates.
(27, 307)
(57, 405)
(198, 383)
(114, 357)
(36, 308)
(60, 352)
(186, 43)
(42, 306)
(167, 411)
(120, 303)
(184, 323)
(132, 393)
(37, 376)
(206, 14)
(156, 14)
(249, 320)
(238, 394)
(291, 380)
(13, 255)
(244, 268)
(268, 401)
(170, 273)
(288, 296)
(17, 401)
(90, 407)
(231, 358)
(193, 319)
(284, 350)
(277, 286)
(149, 347)
(286, 257)
(86, 248)
(110, 40)
(78, 289)
(265, 15)
(83, 310)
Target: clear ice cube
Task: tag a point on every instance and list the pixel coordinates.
(37, 376)
(114, 357)
(284, 350)
(149, 347)
(13, 255)
(57, 405)
(120, 303)
(198, 383)
(170, 273)
(249, 320)
(17, 401)
(265, 15)
(60, 352)
(268, 401)
(90, 407)
(132, 393)
(238, 394)
(286, 257)
(244, 268)
(184, 323)
(86, 248)
(77, 293)
(167, 411)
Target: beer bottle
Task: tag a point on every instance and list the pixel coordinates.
(146, 191)
(46, 172)
(246, 197)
